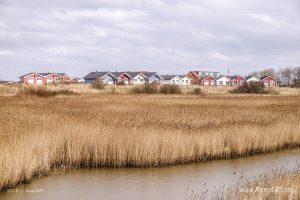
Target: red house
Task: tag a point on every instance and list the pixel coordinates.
(123, 78)
(237, 80)
(208, 81)
(44, 78)
(269, 81)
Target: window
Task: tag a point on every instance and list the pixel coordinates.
(227, 82)
(220, 82)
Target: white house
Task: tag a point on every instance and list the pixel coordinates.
(185, 80)
(138, 78)
(153, 77)
(252, 79)
(176, 80)
(223, 81)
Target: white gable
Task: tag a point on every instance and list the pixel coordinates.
(253, 78)
(139, 79)
(224, 80)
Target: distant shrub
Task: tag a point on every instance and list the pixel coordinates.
(147, 88)
(43, 92)
(296, 83)
(120, 82)
(198, 91)
(251, 87)
(98, 84)
(170, 89)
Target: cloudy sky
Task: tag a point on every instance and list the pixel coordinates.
(168, 36)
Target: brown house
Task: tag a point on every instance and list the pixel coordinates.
(193, 75)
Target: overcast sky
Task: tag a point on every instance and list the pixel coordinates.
(171, 36)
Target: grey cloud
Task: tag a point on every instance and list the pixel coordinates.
(78, 36)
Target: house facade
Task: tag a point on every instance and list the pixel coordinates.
(223, 81)
(268, 81)
(105, 77)
(196, 76)
(176, 80)
(122, 78)
(44, 78)
(237, 80)
(208, 81)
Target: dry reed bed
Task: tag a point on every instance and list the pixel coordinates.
(12, 90)
(38, 134)
(277, 184)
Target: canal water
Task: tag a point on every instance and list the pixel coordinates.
(175, 182)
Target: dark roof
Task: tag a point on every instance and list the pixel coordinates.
(168, 77)
(95, 75)
(222, 76)
(235, 76)
(43, 74)
(204, 77)
(134, 74)
(149, 74)
(117, 74)
(263, 77)
(251, 76)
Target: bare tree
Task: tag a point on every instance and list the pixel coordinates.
(286, 76)
(268, 72)
(296, 73)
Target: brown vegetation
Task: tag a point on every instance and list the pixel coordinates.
(38, 134)
(13, 90)
(277, 184)
(43, 92)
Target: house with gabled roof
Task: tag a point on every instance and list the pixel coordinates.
(122, 78)
(145, 77)
(252, 78)
(223, 81)
(208, 81)
(153, 77)
(176, 80)
(35, 78)
(105, 77)
(138, 77)
(196, 76)
(237, 80)
(268, 81)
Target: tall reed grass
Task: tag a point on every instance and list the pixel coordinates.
(37, 134)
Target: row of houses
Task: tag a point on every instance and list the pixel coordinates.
(35, 78)
(222, 80)
(136, 78)
(193, 77)
(205, 78)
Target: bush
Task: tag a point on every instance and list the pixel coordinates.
(147, 88)
(43, 92)
(197, 91)
(271, 90)
(170, 89)
(296, 83)
(120, 83)
(98, 85)
(251, 87)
